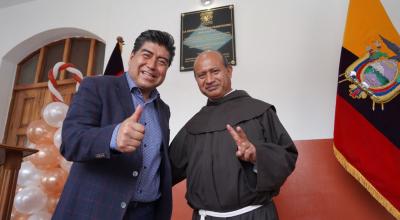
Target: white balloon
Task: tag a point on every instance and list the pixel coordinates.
(30, 200)
(57, 138)
(54, 113)
(30, 145)
(65, 164)
(42, 215)
(28, 175)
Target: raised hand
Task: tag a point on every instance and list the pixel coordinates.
(131, 132)
(245, 149)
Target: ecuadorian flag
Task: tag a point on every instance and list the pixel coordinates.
(367, 118)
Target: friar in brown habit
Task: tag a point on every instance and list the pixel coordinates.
(234, 152)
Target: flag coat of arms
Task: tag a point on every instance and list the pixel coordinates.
(367, 117)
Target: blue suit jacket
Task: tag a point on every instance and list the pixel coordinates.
(101, 181)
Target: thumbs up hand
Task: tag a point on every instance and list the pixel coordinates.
(246, 151)
(131, 132)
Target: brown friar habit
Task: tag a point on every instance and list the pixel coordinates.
(204, 152)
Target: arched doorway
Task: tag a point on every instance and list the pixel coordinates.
(30, 92)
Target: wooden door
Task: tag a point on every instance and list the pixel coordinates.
(27, 106)
(31, 94)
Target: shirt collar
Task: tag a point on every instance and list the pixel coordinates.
(231, 96)
(132, 87)
(232, 90)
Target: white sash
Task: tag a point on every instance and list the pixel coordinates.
(204, 213)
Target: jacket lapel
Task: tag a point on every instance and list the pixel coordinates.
(124, 95)
(163, 119)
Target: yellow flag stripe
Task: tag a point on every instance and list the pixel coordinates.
(366, 20)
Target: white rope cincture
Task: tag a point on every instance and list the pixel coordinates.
(204, 213)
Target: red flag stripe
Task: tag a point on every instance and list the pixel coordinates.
(368, 150)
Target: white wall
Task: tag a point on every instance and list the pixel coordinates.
(287, 51)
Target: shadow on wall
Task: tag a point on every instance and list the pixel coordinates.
(318, 189)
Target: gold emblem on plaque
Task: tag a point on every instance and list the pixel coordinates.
(206, 18)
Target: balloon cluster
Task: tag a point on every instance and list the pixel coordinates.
(42, 175)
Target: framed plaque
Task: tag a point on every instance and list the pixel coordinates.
(210, 29)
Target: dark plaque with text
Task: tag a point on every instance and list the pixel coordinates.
(210, 29)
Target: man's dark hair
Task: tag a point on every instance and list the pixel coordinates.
(161, 38)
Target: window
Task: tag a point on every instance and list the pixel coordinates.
(85, 53)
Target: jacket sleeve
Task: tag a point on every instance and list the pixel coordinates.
(83, 137)
(276, 156)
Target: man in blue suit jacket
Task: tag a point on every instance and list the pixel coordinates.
(117, 134)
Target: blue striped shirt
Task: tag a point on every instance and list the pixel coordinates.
(148, 183)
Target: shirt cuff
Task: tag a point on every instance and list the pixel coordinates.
(113, 142)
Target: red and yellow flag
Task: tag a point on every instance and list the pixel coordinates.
(367, 118)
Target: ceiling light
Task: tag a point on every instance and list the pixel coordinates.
(206, 2)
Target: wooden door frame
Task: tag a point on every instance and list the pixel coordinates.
(39, 69)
